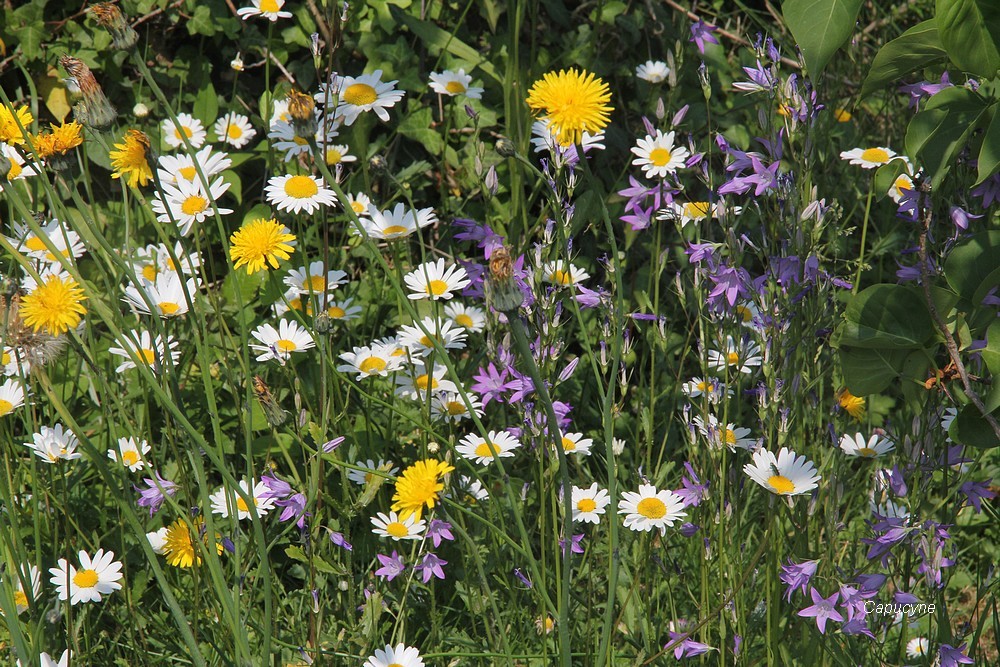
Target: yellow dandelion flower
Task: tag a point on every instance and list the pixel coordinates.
(854, 405)
(10, 133)
(419, 485)
(178, 547)
(258, 243)
(574, 102)
(132, 158)
(54, 305)
(60, 140)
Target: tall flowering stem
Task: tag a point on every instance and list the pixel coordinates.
(864, 234)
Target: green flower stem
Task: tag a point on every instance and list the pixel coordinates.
(864, 235)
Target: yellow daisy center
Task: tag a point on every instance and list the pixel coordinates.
(397, 529)
(866, 452)
(586, 505)
(147, 355)
(15, 170)
(269, 6)
(20, 599)
(241, 505)
(483, 450)
(34, 244)
(301, 187)
(703, 386)
(454, 87)
(568, 445)
(902, 184)
(335, 312)
(659, 157)
(842, 115)
(372, 365)
(169, 307)
(733, 358)
(360, 94)
(876, 155)
(333, 156)
(181, 132)
(437, 287)
(194, 205)
(464, 320)
(4, 358)
(301, 141)
(358, 207)
(85, 579)
(744, 313)
(130, 458)
(393, 230)
(425, 381)
(149, 272)
(561, 277)
(730, 437)
(285, 345)
(5, 407)
(315, 283)
(651, 508)
(234, 131)
(187, 173)
(455, 408)
(781, 484)
(696, 209)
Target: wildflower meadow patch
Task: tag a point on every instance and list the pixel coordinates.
(521, 332)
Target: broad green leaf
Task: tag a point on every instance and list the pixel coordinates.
(417, 126)
(915, 49)
(201, 22)
(972, 260)
(886, 175)
(971, 428)
(886, 316)
(820, 27)
(991, 353)
(206, 105)
(940, 130)
(989, 154)
(441, 40)
(970, 31)
(870, 371)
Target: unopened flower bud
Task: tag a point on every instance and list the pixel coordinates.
(491, 181)
(140, 110)
(661, 109)
(376, 164)
(237, 63)
(94, 110)
(706, 85)
(301, 108)
(505, 147)
(110, 17)
(322, 322)
(502, 291)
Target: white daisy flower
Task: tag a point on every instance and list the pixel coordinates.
(54, 444)
(11, 396)
(359, 203)
(869, 158)
(874, 447)
(14, 361)
(187, 125)
(24, 598)
(362, 478)
(477, 448)
(393, 527)
(432, 280)
(149, 350)
(153, 260)
(284, 138)
(225, 501)
(451, 408)
(653, 71)
(46, 660)
(742, 357)
(713, 389)
(470, 318)
(399, 656)
(174, 169)
(166, 294)
(342, 310)
(575, 443)
(589, 503)
(66, 242)
(946, 420)
(657, 155)
(748, 315)
(97, 576)
(280, 343)
(416, 383)
(695, 211)
(732, 436)
(786, 475)
(367, 361)
(650, 509)
(470, 490)
(279, 112)
(398, 222)
(454, 83)
(158, 540)
(338, 154)
(298, 193)
(918, 647)
(365, 93)
(313, 279)
(269, 9)
(420, 344)
(900, 186)
(563, 274)
(19, 167)
(130, 453)
(234, 129)
(186, 203)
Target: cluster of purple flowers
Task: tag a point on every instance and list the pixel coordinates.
(428, 566)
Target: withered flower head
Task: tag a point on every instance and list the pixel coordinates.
(108, 16)
(93, 110)
(502, 291)
(301, 108)
(273, 411)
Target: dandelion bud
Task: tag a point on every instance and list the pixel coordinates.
(236, 63)
(108, 16)
(140, 110)
(505, 147)
(376, 164)
(94, 110)
(272, 410)
(322, 322)
(502, 292)
(301, 108)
